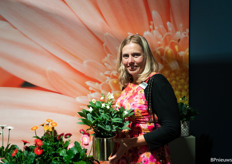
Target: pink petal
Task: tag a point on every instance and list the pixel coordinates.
(9, 80)
(33, 64)
(29, 99)
(53, 26)
(120, 16)
(178, 8)
(89, 13)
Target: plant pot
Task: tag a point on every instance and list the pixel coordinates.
(102, 148)
(185, 128)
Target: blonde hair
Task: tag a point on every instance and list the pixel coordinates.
(150, 64)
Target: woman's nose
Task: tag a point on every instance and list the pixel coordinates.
(131, 59)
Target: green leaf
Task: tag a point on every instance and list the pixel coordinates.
(117, 120)
(63, 152)
(82, 114)
(98, 104)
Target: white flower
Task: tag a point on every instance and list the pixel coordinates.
(94, 101)
(103, 105)
(10, 127)
(108, 107)
(125, 112)
(90, 109)
(102, 98)
(2, 126)
(110, 96)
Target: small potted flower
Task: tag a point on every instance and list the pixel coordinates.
(187, 114)
(105, 121)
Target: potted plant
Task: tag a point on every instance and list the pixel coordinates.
(187, 114)
(104, 120)
(49, 148)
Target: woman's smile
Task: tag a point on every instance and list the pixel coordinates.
(132, 59)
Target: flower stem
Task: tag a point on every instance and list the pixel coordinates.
(8, 137)
(2, 138)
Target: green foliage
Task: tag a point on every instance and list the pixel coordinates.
(55, 150)
(103, 119)
(187, 113)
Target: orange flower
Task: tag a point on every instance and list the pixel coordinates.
(38, 150)
(49, 120)
(53, 124)
(34, 128)
(14, 152)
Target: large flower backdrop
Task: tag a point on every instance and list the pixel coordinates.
(66, 50)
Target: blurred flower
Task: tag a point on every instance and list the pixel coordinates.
(42, 124)
(68, 135)
(53, 124)
(90, 109)
(38, 150)
(110, 96)
(94, 101)
(14, 152)
(34, 128)
(70, 145)
(10, 127)
(3, 126)
(38, 142)
(25, 142)
(46, 127)
(49, 120)
(85, 140)
(59, 136)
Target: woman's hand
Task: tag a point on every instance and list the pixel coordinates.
(124, 145)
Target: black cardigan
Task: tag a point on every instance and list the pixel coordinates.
(164, 105)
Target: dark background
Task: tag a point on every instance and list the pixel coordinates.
(210, 77)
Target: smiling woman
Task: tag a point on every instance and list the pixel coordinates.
(67, 50)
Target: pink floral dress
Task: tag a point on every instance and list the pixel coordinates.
(133, 97)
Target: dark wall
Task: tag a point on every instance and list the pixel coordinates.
(210, 77)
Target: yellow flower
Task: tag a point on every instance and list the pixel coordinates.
(53, 124)
(49, 120)
(50, 128)
(46, 127)
(34, 128)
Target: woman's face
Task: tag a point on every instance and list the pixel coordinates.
(132, 59)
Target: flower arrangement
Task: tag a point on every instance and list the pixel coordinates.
(103, 119)
(49, 148)
(187, 113)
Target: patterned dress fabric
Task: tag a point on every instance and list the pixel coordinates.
(133, 97)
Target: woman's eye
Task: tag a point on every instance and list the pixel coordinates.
(136, 54)
(125, 55)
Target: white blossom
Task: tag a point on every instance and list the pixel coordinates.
(2, 126)
(103, 105)
(94, 101)
(102, 98)
(10, 127)
(90, 109)
(125, 112)
(110, 96)
(108, 107)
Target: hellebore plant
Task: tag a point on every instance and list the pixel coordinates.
(104, 120)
